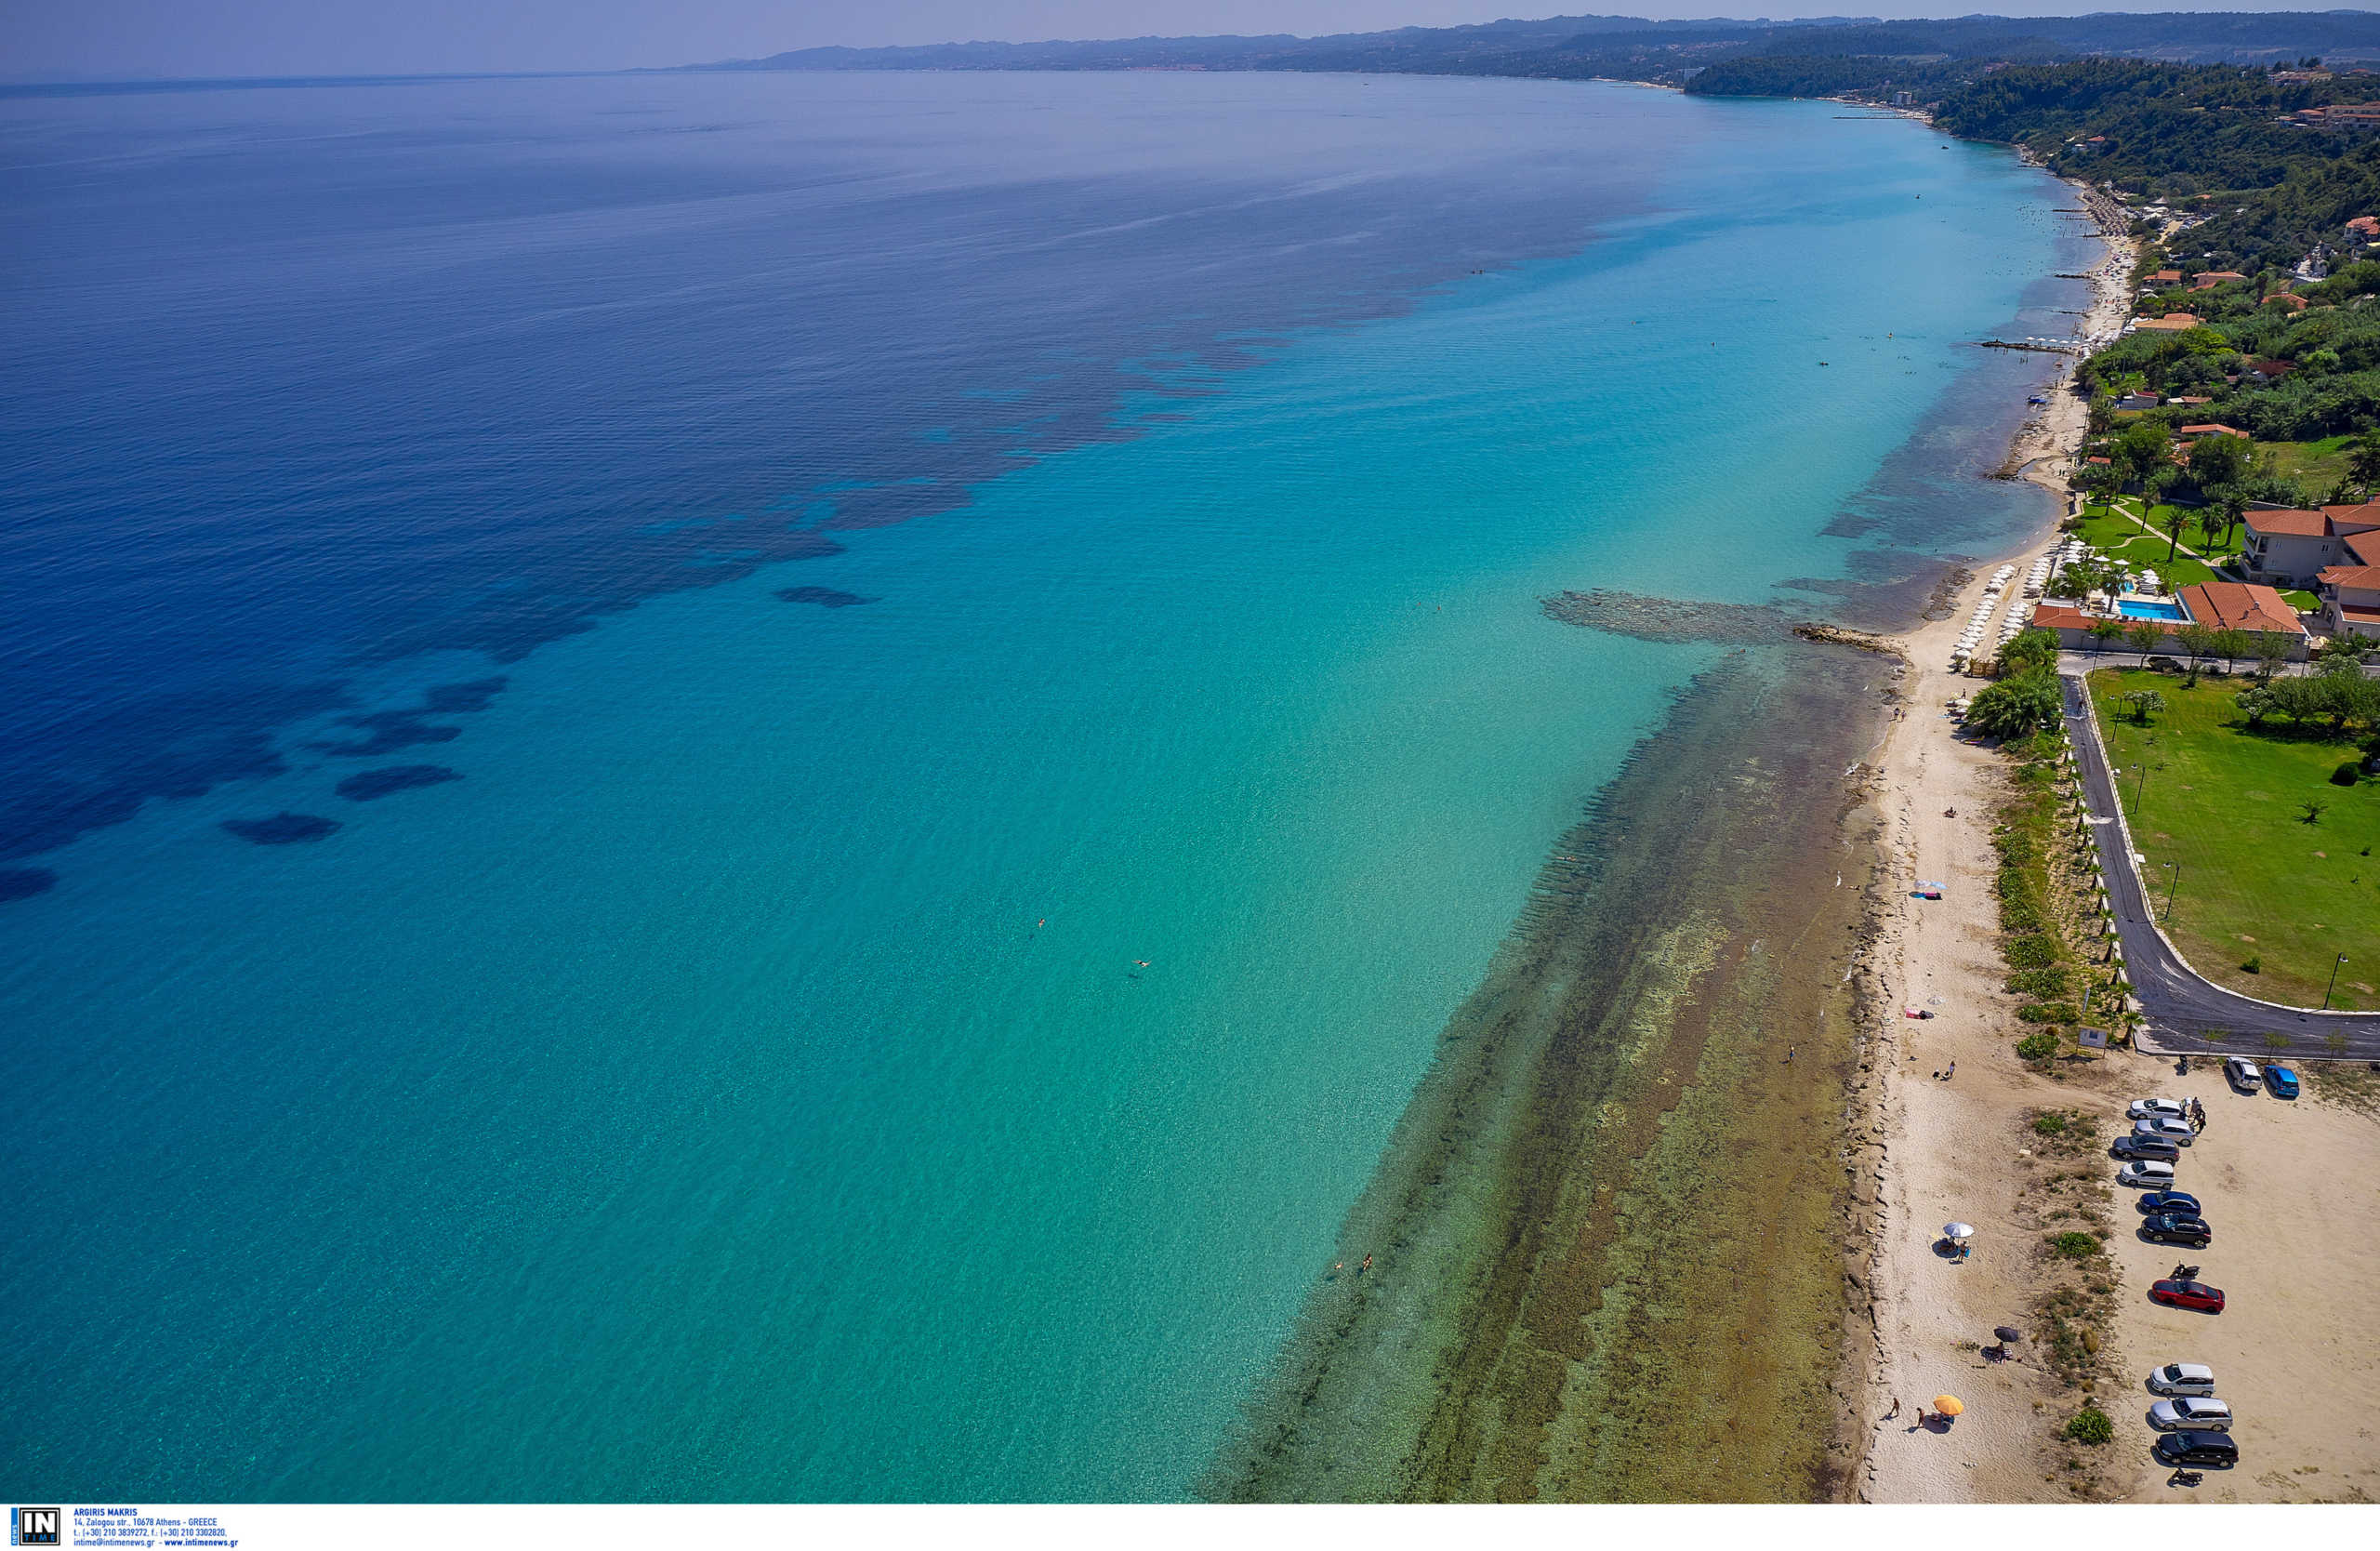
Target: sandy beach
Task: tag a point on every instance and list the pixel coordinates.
(1950, 1133)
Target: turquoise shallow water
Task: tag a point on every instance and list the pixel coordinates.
(746, 1083)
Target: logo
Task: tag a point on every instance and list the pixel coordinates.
(33, 1527)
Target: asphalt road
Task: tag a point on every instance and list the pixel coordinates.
(2180, 1007)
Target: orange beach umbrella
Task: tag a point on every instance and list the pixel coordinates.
(1948, 1405)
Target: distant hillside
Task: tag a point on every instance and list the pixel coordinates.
(1760, 58)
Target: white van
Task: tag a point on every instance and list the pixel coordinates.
(2147, 1176)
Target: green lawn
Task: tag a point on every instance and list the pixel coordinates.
(2120, 538)
(2226, 804)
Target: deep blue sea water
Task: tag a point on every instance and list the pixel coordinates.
(950, 682)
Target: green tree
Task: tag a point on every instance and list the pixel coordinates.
(2363, 462)
(2197, 643)
(2101, 631)
(2272, 650)
(2173, 521)
(2143, 638)
(2218, 460)
(2017, 706)
(2144, 703)
(2257, 702)
(2032, 650)
(2231, 645)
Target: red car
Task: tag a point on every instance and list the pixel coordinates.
(2188, 1294)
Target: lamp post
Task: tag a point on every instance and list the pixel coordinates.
(2335, 980)
(2170, 888)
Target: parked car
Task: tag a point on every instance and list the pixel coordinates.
(2188, 1294)
(2139, 1146)
(2281, 1081)
(2171, 1227)
(2148, 1176)
(2242, 1073)
(2199, 1449)
(2183, 1378)
(2157, 1109)
(2177, 1202)
(2190, 1414)
(2176, 1131)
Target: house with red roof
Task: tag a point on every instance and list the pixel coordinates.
(2226, 605)
(2210, 279)
(2191, 433)
(2350, 592)
(2290, 547)
(2367, 227)
(2289, 299)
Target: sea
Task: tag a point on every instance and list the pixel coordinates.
(766, 786)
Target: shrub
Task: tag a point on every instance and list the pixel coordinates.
(2037, 1047)
(2090, 1426)
(2047, 1012)
(2254, 963)
(2053, 981)
(2072, 1245)
(2036, 951)
(2049, 1125)
(2347, 774)
(2017, 706)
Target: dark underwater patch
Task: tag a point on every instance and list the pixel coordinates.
(23, 883)
(282, 828)
(363, 787)
(825, 597)
(387, 731)
(454, 699)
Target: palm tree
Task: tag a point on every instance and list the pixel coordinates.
(2173, 521)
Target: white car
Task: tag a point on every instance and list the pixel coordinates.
(2183, 1378)
(2151, 1175)
(2190, 1414)
(2176, 1131)
(2158, 1109)
(2244, 1073)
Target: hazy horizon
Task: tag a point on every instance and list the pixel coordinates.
(204, 39)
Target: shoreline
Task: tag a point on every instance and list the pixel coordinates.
(1539, 1244)
(1941, 1149)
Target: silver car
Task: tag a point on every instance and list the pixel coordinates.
(2190, 1414)
(2176, 1131)
(2183, 1378)
(2157, 1109)
(2147, 1176)
(2244, 1074)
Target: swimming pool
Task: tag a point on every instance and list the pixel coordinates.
(2133, 608)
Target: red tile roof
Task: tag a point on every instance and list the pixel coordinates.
(2296, 302)
(2298, 524)
(2365, 546)
(2061, 616)
(2240, 607)
(2354, 518)
(2350, 576)
(2211, 430)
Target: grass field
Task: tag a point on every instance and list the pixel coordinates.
(2319, 466)
(2228, 805)
(2122, 539)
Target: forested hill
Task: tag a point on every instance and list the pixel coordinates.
(1797, 58)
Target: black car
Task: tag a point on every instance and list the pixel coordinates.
(2155, 1148)
(2157, 1202)
(2215, 1449)
(2172, 1227)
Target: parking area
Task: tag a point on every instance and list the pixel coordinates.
(2292, 1190)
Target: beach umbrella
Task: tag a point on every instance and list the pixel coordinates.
(1956, 1231)
(2009, 1332)
(1948, 1405)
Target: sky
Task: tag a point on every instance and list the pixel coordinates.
(128, 39)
